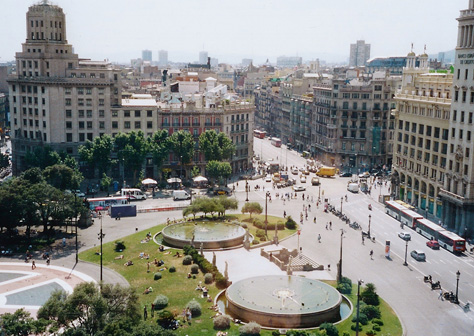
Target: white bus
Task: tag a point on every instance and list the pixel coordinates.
(409, 217)
(394, 209)
(133, 194)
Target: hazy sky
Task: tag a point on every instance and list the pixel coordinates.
(232, 30)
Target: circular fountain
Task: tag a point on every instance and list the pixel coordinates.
(276, 301)
(212, 235)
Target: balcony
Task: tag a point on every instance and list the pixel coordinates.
(165, 125)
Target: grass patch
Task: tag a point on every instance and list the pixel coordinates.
(180, 290)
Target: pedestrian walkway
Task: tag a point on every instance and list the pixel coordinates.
(21, 286)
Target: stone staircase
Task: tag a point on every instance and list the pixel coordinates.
(304, 263)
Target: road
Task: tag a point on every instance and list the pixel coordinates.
(401, 286)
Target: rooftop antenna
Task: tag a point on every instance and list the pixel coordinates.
(412, 47)
(424, 50)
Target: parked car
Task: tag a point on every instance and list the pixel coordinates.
(268, 178)
(306, 172)
(405, 236)
(418, 255)
(303, 179)
(364, 175)
(299, 188)
(346, 174)
(433, 244)
(294, 171)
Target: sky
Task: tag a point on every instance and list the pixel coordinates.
(118, 30)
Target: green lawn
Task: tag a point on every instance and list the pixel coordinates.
(179, 289)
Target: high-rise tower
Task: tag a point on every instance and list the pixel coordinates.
(458, 191)
(359, 54)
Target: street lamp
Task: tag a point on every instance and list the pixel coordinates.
(458, 274)
(339, 271)
(266, 222)
(319, 194)
(368, 232)
(75, 219)
(342, 199)
(247, 188)
(406, 250)
(101, 236)
(359, 283)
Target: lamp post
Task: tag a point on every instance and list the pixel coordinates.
(368, 232)
(101, 236)
(339, 271)
(406, 250)
(181, 169)
(247, 188)
(319, 193)
(458, 274)
(359, 283)
(266, 222)
(75, 219)
(342, 199)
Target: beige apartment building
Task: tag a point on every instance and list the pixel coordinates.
(421, 138)
(57, 99)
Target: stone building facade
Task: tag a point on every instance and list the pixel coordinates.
(421, 136)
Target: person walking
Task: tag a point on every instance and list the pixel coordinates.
(48, 260)
(319, 238)
(440, 297)
(371, 254)
(363, 239)
(33, 265)
(145, 313)
(330, 225)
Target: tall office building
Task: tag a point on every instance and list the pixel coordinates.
(458, 192)
(360, 53)
(56, 98)
(203, 55)
(163, 58)
(147, 55)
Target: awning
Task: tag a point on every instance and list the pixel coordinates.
(173, 180)
(199, 179)
(149, 181)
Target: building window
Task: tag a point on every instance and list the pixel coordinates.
(126, 113)
(149, 113)
(68, 124)
(101, 113)
(149, 124)
(101, 124)
(126, 125)
(68, 137)
(138, 124)
(137, 113)
(88, 91)
(114, 124)
(101, 102)
(68, 102)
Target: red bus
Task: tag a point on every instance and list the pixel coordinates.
(276, 142)
(451, 241)
(259, 134)
(409, 217)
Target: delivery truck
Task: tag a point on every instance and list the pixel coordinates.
(326, 171)
(180, 195)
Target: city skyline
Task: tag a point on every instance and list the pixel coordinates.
(261, 30)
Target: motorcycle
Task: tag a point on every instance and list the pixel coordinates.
(370, 207)
(355, 226)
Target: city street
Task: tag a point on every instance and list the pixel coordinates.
(402, 286)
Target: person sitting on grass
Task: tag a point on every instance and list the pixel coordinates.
(128, 263)
(177, 254)
(119, 257)
(148, 290)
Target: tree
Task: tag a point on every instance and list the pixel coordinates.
(132, 149)
(10, 205)
(182, 145)
(91, 307)
(195, 171)
(225, 170)
(330, 329)
(212, 168)
(20, 323)
(42, 157)
(97, 153)
(216, 146)
(105, 183)
(369, 295)
(63, 177)
(252, 208)
(228, 203)
(159, 145)
(4, 161)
